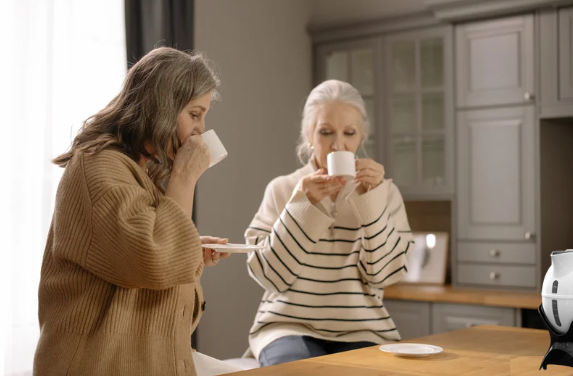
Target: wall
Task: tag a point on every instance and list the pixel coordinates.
(556, 164)
(264, 56)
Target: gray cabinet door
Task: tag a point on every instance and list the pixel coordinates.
(555, 63)
(447, 317)
(497, 275)
(412, 319)
(495, 174)
(497, 252)
(495, 62)
(565, 50)
(356, 62)
(419, 111)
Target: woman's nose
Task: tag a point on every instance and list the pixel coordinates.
(337, 144)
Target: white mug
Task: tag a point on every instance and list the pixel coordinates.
(341, 163)
(216, 148)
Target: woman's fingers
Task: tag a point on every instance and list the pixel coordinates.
(367, 172)
(210, 256)
(362, 164)
(368, 181)
(213, 240)
(318, 185)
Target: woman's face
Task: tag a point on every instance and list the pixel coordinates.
(191, 121)
(337, 129)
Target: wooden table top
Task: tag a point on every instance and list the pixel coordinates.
(448, 294)
(478, 351)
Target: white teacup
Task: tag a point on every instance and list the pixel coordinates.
(341, 163)
(216, 148)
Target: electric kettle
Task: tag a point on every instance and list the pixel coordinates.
(557, 291)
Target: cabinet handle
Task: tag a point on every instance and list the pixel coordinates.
(528, 96)
(494, 252)
(529, 235)
(471, 324)
(493, 275)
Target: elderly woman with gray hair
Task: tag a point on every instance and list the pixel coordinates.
(330, 247)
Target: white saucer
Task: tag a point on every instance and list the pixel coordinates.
(411, 349)
(233, 248)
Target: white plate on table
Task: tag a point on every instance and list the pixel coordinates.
(411, 349)
(233, 248)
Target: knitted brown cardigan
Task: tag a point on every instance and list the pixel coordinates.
(119, 291)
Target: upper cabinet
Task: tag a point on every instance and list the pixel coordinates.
(418, 111)
(556, 63)
(355, 62)
(494, 62)
(565, 50)
(496, 174)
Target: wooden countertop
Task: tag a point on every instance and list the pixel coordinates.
(447, 294)
(478, 351)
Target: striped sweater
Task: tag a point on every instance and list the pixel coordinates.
(324, 267)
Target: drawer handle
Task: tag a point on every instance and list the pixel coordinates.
(493, 275)
(494, 252)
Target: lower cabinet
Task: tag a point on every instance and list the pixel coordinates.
(417, 319)
(446, 317)
(411, 318)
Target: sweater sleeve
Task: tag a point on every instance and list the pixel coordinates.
(288, 235)
(137, 241)
(386, 235)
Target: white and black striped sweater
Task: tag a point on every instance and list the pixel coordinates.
(325, 266)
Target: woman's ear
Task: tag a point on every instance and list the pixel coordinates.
(149, 148)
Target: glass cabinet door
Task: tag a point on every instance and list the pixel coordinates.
(405, 160)
(404, 66)
(355, 63)
(337, 65)
(418, 131)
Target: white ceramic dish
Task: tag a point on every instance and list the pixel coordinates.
(411, 349)
(233, 248)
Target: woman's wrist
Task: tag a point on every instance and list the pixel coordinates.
(184, 179)
(182, 190)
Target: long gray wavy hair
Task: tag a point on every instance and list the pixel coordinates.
(155, 91)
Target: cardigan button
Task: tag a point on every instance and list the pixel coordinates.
(203, 306)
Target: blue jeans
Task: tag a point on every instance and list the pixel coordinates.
(289, 349)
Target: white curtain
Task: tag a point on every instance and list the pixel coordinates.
(61, 61)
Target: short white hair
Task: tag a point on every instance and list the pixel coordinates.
(327, 92)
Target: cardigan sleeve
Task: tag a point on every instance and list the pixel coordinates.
(386, 236)
(288, 235)
(138, 241)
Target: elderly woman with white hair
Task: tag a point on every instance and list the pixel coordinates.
(330, 247)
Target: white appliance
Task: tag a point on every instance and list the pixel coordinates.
(427, 258)
(557, 291)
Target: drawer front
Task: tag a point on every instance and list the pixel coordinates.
(412, 319)
(446, 317)
(492, 252)
(497, 275)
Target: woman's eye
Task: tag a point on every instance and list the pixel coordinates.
(194, 116)
(325, 132)
(350, 133)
